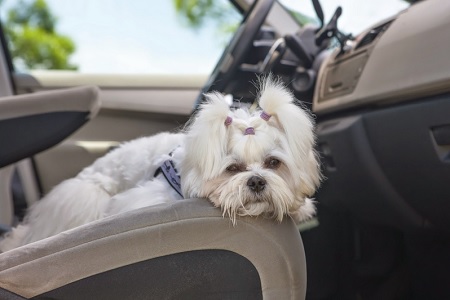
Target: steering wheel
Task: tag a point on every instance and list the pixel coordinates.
(237, 49)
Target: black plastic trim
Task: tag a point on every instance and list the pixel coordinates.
(383, 167)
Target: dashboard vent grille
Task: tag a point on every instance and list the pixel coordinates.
(373, 34)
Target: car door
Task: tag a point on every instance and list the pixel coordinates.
(148, 61)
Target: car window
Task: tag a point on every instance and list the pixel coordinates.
(357, 15)
(118, 37)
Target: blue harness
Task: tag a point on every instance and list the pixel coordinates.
(171, 174)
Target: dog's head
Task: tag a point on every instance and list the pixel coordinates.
(252, 163)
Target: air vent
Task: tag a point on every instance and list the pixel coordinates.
(373, 34)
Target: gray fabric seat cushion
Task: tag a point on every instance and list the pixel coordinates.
(275, 249)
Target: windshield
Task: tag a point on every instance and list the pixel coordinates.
(357, 15)
(115, 37)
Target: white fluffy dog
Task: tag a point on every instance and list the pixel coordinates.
(247, 163)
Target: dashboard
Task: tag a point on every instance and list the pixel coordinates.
(398, 59)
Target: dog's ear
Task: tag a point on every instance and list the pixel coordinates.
(298, 126)
(207, 136)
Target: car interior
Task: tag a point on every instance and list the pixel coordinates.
(380, 99)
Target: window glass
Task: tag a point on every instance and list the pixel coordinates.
(120, 36)
(356, 15)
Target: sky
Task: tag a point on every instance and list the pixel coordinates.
(142, 37)
(356, 16)
(147, 36)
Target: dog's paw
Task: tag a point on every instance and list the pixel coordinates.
(306, 212)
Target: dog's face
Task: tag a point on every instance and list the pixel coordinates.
(258, 175)
(252, 163)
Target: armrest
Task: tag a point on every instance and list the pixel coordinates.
(274, 249)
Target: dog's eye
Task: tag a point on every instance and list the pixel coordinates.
(234, 168)
(272, 163)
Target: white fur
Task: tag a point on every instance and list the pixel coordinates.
(124, 180)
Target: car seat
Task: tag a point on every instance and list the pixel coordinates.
(182, 250)
(34, 122)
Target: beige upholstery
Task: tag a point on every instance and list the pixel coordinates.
(73, 99)
(275, 249)
(77, 99)
(7, 209)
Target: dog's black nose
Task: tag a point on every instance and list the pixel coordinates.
(256, 183)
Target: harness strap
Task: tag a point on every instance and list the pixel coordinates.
(171, 174)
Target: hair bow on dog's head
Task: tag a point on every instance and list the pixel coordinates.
(250, 130)
(228, 121)
(265, 116)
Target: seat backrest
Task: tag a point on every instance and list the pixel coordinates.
(34, 122)
(182, 250)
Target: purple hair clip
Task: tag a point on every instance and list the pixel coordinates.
(265, 116)
(249, 131)
(228, 121)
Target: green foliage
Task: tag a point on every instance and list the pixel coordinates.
(301, 18)
(196, 12)
(199, 12)
(33, 40)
